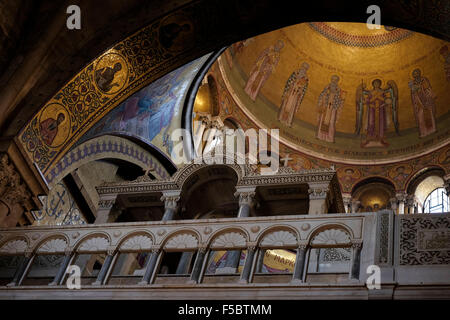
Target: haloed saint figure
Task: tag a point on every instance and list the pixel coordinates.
(263, 68)
(293, 94)
(330, 102)
(423, 103)
(376, 110)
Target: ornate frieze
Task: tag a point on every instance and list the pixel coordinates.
(424, 240)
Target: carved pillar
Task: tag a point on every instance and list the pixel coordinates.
(68, 256)
(246, 200)
(447, 183)
(410, 203)
(105, 205)
(22, 270)
(150, 270)
(248, 266)
(260, 261)
(216, 124)
(356, 260)
(355, 205)
(101, 278)
(185, 262)
(170, 204)
(347, 199)
(297, 277)
(203, 122)
(394, 204)
(318, 198)
(197, 270)
(401, 197)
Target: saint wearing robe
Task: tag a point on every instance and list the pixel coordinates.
(263, 68)
(49, 128)
(293, 94)
(330, 101)
(104, 77)
(423, 103)
(374, 111)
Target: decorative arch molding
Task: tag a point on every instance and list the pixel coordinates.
(181, 240)
(279, 237)
(14, 246)
(137, 241)
(229, 238)
(102, 147)
(331, 235)
(421, 175)
(52, 245)
(97, 242)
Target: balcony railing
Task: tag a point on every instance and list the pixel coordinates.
(324, 251)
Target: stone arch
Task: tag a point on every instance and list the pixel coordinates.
(94, 242)
(226, 238)
(53, 244)
(278, 236)
(14, 245)
(331, 235)
(105, 146)
(180, 240)
(366, 188)
(136, 241)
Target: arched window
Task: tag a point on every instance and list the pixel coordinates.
(437, 201)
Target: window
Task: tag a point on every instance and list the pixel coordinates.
(437, 201)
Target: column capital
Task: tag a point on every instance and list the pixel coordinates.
(170, 200)
(107, 201)
(246, 195)
(216, 123)
(401, 196)
(357, 244)
(318, 191)
(394, 203)
(447, 183)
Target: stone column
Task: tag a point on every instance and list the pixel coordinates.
(22, 270)
(401, 197)
(185, 262)
(105, 268)
(150, 270)
(355, 205)
(105, 204)
(410, 203)
(246, 200)
(204, 122)
(356, 260)
(68, 256)
(197, 270)
(248, 266)
(170, 199)
(260, 262)
(299, 267)
(318, 198)
(347, 199)
(216, 124)
(394, 204)
(447, 183)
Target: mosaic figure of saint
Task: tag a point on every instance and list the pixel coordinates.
(49, 128)
(263, 68)
(376, 109)
(104, 77)
(293, 94)
(331, 100)
(445, 53)
(422, 98)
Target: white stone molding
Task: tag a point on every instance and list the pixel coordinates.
(57, 245)
(137, 243)
(95, 244)
(280, 238)
(14, 246)
(229, 240)
(331, 237)
(182, 241)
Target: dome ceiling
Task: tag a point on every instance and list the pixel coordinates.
(343, 92)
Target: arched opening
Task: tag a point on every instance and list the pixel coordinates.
(209, 193)
(372, 195)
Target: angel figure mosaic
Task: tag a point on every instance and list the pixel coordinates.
(376, 112)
